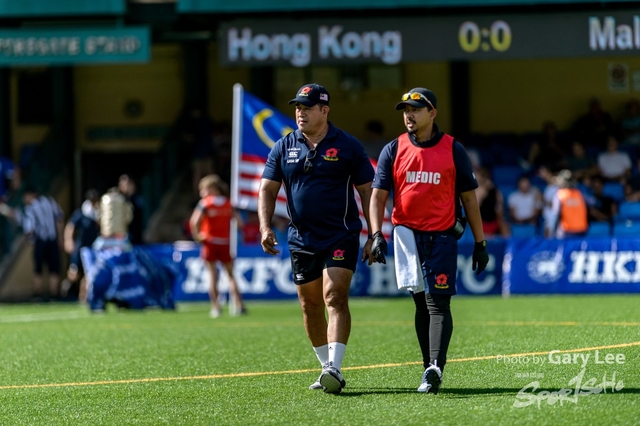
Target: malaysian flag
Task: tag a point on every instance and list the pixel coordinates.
(256, 128)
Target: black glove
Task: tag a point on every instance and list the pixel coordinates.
(480, 257)
(379, 248)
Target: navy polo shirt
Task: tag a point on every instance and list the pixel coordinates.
(465, 179)
(321, 203)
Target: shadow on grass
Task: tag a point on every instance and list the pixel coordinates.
(464, 392)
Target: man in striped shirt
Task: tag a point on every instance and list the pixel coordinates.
(43, 221)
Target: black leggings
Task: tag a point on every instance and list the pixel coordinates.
(434, 327)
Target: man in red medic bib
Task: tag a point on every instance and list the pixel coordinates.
(429, 173)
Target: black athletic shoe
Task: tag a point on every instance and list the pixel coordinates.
(431, 380)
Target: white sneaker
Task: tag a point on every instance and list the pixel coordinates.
(214, 313)
(331, 379)
(431, 380)
(316, 385)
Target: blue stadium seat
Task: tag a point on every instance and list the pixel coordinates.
(539, 183)
(626, 228)
(629, 211)
(599, 229)
(614, 190)
(631, 150)
(506, 175)
(523, 230)
(505, 148)
(506, 190)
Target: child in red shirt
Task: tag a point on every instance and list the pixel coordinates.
(210, 225)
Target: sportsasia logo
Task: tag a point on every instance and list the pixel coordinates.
(423, 177)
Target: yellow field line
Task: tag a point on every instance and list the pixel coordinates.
(549, 323)
(308, 370)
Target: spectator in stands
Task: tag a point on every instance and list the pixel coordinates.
(548, 196)
(630, 124)
(127, 187)
(595, 126)
(491, 205)
(581, 165)
(601, 207)
(374, 140)
(525, 205)
(81, 230)
(569, 210)
(632, 187)
(614, 165)
(546, 151)
(42, 221)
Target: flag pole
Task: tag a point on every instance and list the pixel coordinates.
(236, 140)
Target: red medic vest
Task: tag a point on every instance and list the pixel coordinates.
(424, 185)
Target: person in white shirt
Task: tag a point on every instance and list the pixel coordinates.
(525, 205)
(548, 196)
(614, 165)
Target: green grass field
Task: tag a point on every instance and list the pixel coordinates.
(62, 365)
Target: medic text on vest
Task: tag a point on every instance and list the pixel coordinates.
(423, 177)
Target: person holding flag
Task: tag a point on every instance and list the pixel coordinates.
(319, 165)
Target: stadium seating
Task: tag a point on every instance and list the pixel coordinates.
(626, 228)
(628, 211)
(614, 190)
(505, 148)
(523, 230)
(599, 229)
(538, 182)
(506, 175)
(506, 190)
(631, 150)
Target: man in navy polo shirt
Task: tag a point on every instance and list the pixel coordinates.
(429, 173)
(319, 165)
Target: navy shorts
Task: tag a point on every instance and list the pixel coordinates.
(439, 260)
(76, 261)
(46, 252)
(307, 266)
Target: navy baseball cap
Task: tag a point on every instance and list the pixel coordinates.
(418, 97)
(311, 94)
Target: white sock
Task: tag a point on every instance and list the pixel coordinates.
(336, 353)
(322, 352)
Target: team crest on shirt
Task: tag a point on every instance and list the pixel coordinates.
(338, 255)
(331, 154)
(441, 282)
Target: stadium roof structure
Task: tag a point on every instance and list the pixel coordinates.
(225, 6)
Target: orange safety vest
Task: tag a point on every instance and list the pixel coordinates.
(573, 210)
